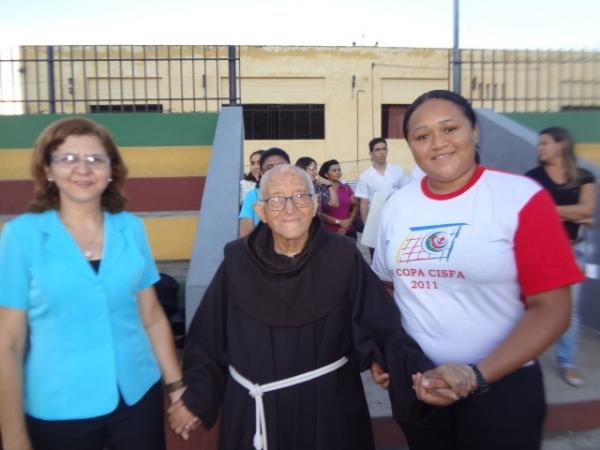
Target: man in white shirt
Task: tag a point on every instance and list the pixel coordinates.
(380, 177)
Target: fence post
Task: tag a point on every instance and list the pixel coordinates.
(456, 61)
(232, 76)
(51, 92)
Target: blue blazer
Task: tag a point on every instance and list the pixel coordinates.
(86, 336)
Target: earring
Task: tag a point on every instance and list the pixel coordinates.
(50, 179)
(109, 180)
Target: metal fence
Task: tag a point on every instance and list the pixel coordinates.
(529, 80)
(83, 79)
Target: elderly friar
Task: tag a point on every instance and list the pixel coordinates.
(290, 319)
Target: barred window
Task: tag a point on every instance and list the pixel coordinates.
(125, 108)
(391, 121)
(284, 121)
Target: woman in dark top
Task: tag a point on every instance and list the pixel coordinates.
(574, 192)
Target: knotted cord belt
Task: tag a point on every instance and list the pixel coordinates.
(256, 391)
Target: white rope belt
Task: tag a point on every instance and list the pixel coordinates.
(256, 391)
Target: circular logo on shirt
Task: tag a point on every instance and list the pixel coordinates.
(436, 241)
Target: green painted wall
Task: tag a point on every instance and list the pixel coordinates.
(128, 129)
(584, 126)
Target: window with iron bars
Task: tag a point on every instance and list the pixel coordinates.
(125, 108)
(284, 121)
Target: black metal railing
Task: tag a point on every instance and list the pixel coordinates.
(117, 78)
(80, 79)
(529, 80)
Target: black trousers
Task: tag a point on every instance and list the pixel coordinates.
(509, 417)
(136, 427)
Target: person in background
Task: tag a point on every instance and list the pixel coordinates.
(324, 189)
(574, 192)
(339, 219)
(379, 177)
(480, 268)
(83, 338)
(254, 174)
(248, 217)
(251, 178)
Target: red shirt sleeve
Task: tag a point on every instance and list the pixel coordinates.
(544, 257)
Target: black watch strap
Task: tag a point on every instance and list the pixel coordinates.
(482, 385)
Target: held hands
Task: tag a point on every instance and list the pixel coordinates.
(445, 384)
(441, 386)
(181, 420)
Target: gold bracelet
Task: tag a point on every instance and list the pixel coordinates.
(174, 386)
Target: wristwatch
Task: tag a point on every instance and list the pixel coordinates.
(337, 221)
(482, 385)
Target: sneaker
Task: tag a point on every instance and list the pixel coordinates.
(570, 377)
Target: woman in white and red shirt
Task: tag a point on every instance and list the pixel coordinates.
(480, 267)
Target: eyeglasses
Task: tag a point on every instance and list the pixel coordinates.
(277, 202)
(70, 160)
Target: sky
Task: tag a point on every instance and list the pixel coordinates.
(533, 24)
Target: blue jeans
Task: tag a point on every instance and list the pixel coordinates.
(565, 347)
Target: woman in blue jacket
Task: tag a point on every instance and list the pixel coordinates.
(83, 339)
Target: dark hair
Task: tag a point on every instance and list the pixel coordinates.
(325, 167)
(373, 142)
(305, 161)
(249, 176)
(560, 135)
(257, 152)
(273, 151)
(46, 195)
(440, 94)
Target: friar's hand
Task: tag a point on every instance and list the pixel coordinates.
(182, 420)
(379, 375)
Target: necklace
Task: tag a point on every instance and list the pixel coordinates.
(87, 247)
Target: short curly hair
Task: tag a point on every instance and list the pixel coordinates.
(46, 195)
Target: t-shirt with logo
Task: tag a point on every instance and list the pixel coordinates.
(463, 263)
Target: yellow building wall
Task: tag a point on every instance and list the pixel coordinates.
(352, 83)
